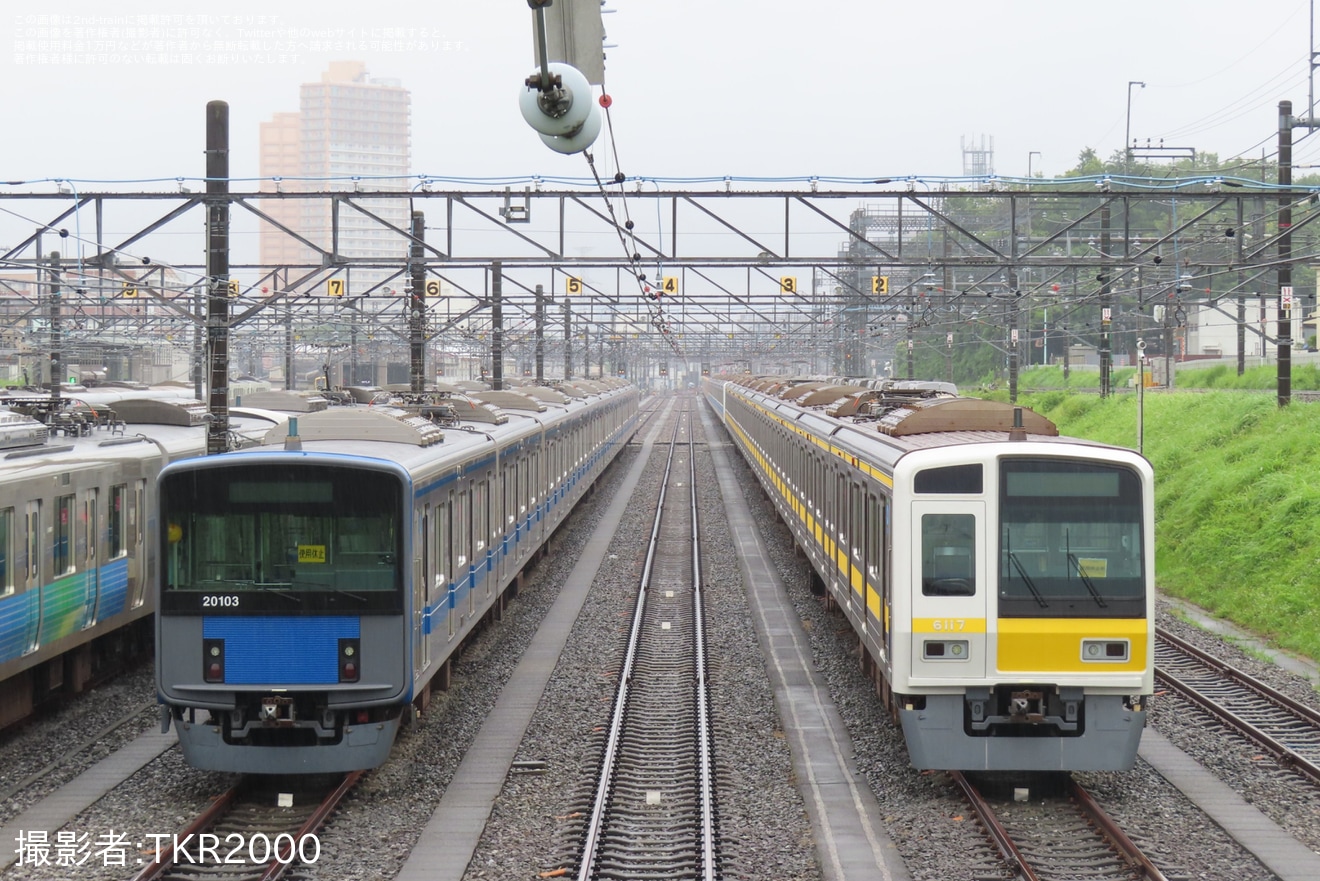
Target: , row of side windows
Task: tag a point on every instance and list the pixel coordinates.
(73, 521)
(459, 531)
(850, 513)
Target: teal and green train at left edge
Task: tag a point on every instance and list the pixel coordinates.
(76, 542)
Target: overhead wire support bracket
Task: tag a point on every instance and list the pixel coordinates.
(556, 98)
(543, 81)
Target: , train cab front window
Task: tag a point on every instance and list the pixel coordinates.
(279, 538)
(948, 555)
(1070, 540)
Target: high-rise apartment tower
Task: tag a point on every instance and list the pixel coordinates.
(351, 133)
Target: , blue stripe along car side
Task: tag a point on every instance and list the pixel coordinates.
(18, 625)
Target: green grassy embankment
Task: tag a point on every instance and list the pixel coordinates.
(1305, 377)
(1237, 499)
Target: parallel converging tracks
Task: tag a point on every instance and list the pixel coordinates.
(654, 812)
(1288, 729)
(1060, 838)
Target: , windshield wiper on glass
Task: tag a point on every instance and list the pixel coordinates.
(1022, 572)
(288, 595)
(323, 588)
(340, 590)
(1031, 585)
(1086, 579)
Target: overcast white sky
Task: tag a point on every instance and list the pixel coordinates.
(852, 88)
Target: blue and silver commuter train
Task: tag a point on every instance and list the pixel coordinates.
(313, 589)
(1000, 578)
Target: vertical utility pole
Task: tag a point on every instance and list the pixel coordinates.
(1013, 293)
(911, 343)
(417, 306)
(1067, 346)
(948, 282)
(1241, 303)
(540, 334)
(497, 325)
(586, 349)
(1127, 132)
(1241, 334)
(217, 273)
(1284, 343)
(1141, 396)
(1045, 337)
(56, 342)
(354, 318)
(1262, 323)
(1168, 347)
(568, 339)
(198, 370)
(288, 346)
(1105, 315)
